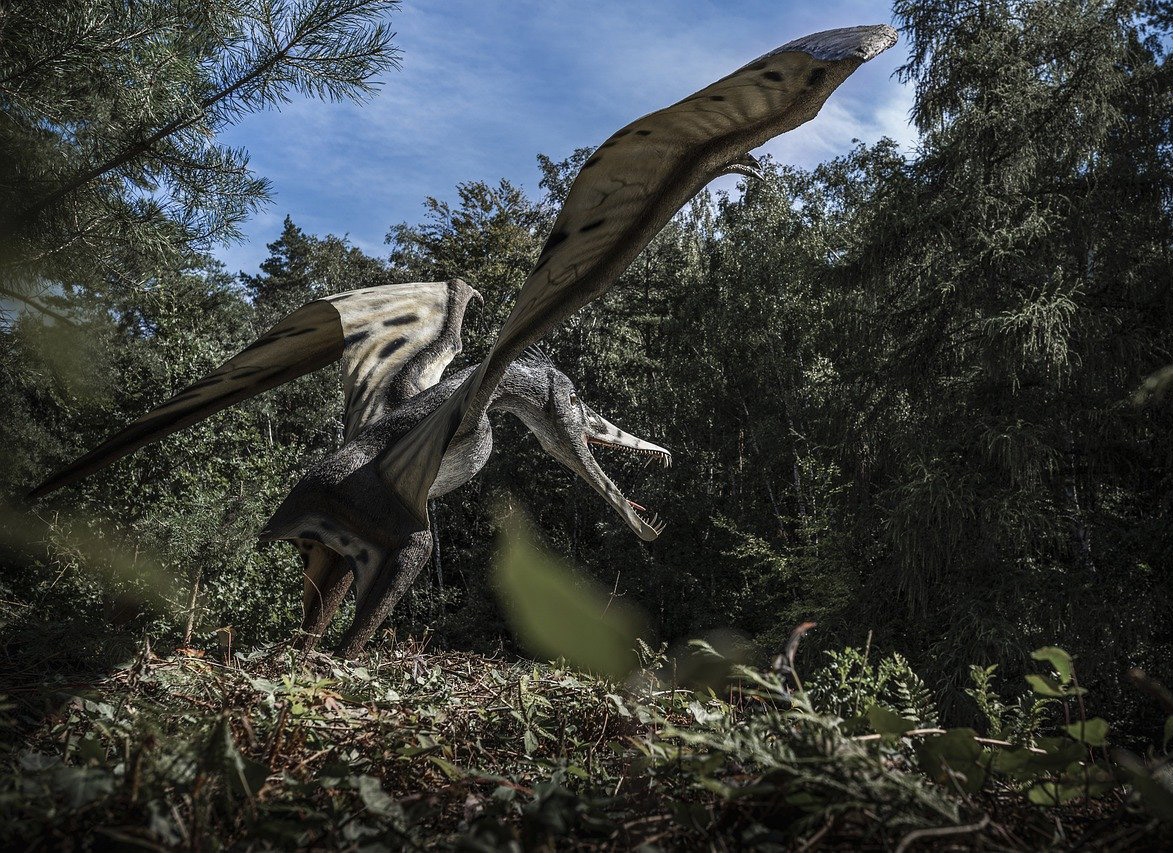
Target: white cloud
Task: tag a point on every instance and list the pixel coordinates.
(485, 87)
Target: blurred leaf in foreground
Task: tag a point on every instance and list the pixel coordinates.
(1059, 660)
(1155, 387)
(886, 722)
(1093, 732)
(558, 612)
(71, 541)
(71, 357)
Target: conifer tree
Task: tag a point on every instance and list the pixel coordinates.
(110, 112)
(1008, 294)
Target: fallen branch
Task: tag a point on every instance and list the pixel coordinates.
(988, 741)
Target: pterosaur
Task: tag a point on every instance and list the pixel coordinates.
(360, 515)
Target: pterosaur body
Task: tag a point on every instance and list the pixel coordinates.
(360, 516)
(351, 529)
(394, 343)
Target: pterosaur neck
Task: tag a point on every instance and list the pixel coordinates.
(522, 393)
(521, 407)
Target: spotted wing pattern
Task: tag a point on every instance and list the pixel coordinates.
(398, 341)
(393, 340)
(625, 193)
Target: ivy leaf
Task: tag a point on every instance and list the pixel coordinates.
(1060, 752)
(1016, 763)
(1053, 793)
(377, 801)
(243, 776)
(1044, 685)
(450, 770)
(1024, 765)
(887, 722)
(1077, 781)
(1058, 659)
(1093, 732)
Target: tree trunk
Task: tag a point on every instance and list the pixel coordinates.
(191, 605)
(436, 555)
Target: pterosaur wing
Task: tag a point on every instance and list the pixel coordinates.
(625, 193)
(394, 341)
(398, 339)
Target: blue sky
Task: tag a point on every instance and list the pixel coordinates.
(486, 86)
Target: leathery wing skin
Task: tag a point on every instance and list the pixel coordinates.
(625, 193)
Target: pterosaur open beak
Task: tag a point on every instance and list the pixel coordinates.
(601, 431)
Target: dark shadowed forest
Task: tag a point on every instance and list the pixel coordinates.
(919, 398)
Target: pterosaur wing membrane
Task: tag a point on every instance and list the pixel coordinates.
(625, 193)
(394, 341)
(398, 340)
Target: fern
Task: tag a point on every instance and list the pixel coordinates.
(1020, 722)
(908, 694)
(845, 687)
(1026, 718)
(848, 685)
(987, 700)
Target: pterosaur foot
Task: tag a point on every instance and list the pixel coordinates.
(391, 582)
(326, 581)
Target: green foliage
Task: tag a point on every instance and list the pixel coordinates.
(887, 722)
(852, 688)
(1052, 772)
(954, 759)
(900, 393)
(1018, 723)
(1059, 660)
(560, 615)
(1093, 732)
(189, 506)
(896, 385)
(455, 751)
(109, 159)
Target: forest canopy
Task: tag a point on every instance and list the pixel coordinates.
(901, 384)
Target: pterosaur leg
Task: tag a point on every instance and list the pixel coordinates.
(326, 581)
(394, 578)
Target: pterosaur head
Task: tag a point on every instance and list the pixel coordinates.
(567, 428)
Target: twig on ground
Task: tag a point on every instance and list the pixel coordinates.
(941, 832)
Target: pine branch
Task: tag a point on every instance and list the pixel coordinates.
(34, 304)
(309, 27)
